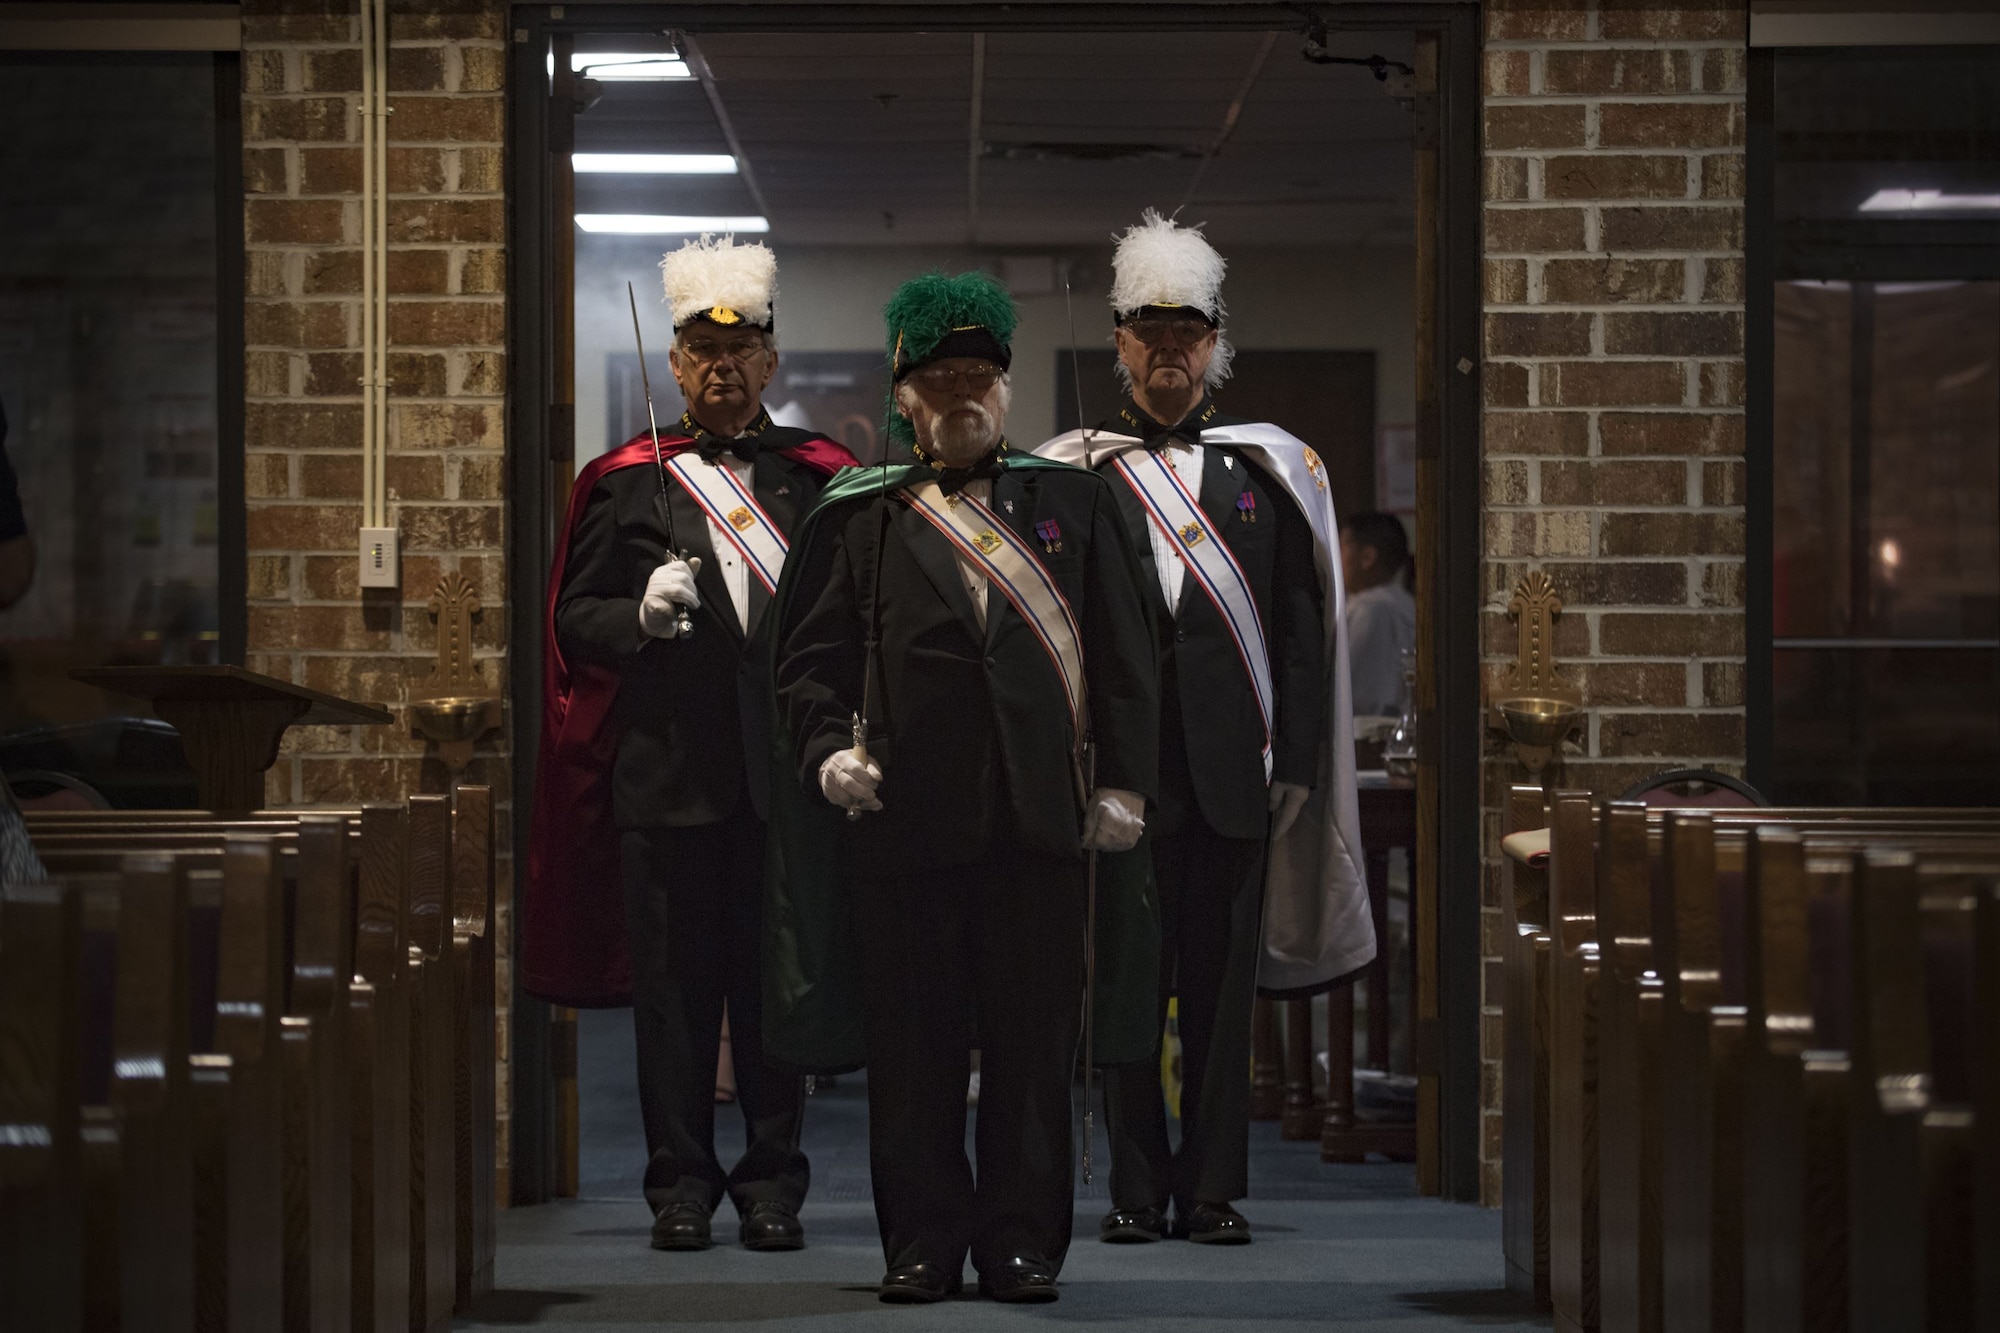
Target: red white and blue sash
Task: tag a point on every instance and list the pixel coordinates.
(1207, 557)
(979, 535)
(730, 505)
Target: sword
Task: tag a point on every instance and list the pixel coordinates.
(683, 624)
(1076, 383)
(859, 733)
(1089, 784)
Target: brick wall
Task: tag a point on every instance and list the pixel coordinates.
(309, 620)
(1613, 436)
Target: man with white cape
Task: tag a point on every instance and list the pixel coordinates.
(1257, 852)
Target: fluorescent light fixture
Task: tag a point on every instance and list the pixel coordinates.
(1929, 201)
(626, 65)
(665, 224)
(656, 164)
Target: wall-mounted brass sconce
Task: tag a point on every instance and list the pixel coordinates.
(452, 706)
(1536, 707)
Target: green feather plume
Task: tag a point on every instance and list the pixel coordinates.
(926, 308)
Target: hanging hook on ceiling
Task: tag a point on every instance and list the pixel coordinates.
(1315, 52)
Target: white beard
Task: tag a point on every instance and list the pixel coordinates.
(963, 436)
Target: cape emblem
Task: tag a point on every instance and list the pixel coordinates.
(1246, 507)
(1051, 535)
(740, 517)
(722, 314)
(987, 542)
(1192, 534)
(1317, 468)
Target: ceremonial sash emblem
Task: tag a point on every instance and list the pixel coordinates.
(1006, 562)
(735, 513)
(1172, 509)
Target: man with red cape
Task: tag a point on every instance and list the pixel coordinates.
(646, 846)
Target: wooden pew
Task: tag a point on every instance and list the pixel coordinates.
(1524, 1173)
(1630, 1122)
(474, 1086)
(379, 1078)
(1574, 964)
(433, 1011)
(41, 1039)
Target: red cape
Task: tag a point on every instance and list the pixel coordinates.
(571, 935)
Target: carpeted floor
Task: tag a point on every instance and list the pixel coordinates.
(1337, 1247)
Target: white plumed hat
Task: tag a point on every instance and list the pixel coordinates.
(718, 280)
(1161, 263)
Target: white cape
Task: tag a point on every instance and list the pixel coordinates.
(1317, 926)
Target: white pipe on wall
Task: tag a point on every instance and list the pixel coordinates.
(382, 263)
(366, 17)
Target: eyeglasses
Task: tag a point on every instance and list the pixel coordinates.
(708, 352)
(938, 379)
(1153, 331)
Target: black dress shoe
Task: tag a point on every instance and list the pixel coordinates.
(1019, 1282)
(918, 1284)
(681, 1226)
(1215, 1224)
(1132, 1226)
(771, 1225)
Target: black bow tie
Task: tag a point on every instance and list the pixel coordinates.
(712, 447)
(952, 480)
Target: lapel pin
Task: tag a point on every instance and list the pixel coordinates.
(1228, 463)
(783, 490)
(1010, 505)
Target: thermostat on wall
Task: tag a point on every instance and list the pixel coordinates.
(378, 558)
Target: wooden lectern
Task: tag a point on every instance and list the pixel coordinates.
(230, 721)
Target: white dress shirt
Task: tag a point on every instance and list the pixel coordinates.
(729, 561)
(1381, 623)
(980, 489)
(1184, 457)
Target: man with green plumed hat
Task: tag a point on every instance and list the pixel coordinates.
(966, 681)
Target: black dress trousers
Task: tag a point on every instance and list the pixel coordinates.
(693, 913)
(1211, 891)
(988, 954)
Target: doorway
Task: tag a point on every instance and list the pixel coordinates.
(875, 141)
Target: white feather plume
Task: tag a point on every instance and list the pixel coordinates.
(716, 271)
(1160, 262)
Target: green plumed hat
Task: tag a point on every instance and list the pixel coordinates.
(936, 316)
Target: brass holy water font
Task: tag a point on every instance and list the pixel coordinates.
(1536, 707)
(452, 706)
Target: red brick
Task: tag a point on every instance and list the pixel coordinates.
(416, 69)
(1661, 333)
(1722, 281)
(1506, 281)
(1722, 71)
(1649, 20)
(1615, 176)
(1671, 433)
(447, 119)
(1631, 684)
(331, 578)
(1533, 230)
(1523, 334)
(1671, 532)
(333, 71)
(1722, 584)
(480, 476)
(294, 324)
(267, 374)
(1502, 637)
(483, 271)
(264, 171)
(1506, 481)
(1601, 72)
(260, 29)
(1722, 384)
(264, 71)
(1505, 384)
(1722, 482)
(1722, 684)
(1506, 178)
(482, 69)
(450, 527)
(1609, 281)
(446, 425)
(1507, 73)
(1669, 125)
(330, 170)
(267, 476)
(481, 374)
(1722, 176)
(420, 272)
(481, 170)
(1612, 383)
(300, 527)
(350, 781)
(447, 323)
(429, 221)
(333, 375)
(1670, 634)
(264, 273)
(333, 273)
(1508, 22)
(1614, 482)
(1682, 228)
(364, 678)
(294, 221)
(295, 120)
(455, 22)
(270, 577)
(1538, 532)
(1697, 735)
(1537, 433)
(413, 170)
(302, 425)
(1538, 126)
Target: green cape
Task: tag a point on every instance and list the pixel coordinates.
(812, 992)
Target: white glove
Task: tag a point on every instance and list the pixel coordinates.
(1114, 821)
(1287, 799)
(850, 781)
(670, 588)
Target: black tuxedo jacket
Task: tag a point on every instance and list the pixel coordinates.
(1211, 748)
(693, 729)
(970, 727)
